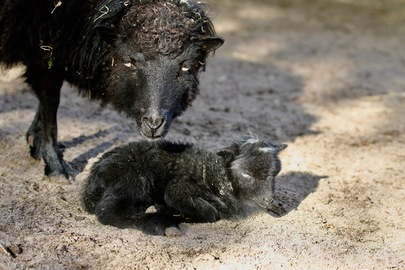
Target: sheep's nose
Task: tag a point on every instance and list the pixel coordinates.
(153, 123)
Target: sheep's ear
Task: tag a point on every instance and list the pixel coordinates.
(212, 43)
(228, 154)
(108, 32)
(108, 17)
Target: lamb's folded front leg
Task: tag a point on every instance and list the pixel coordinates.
(160, 223)
(120, 209)
(123, 211)
(198, 203)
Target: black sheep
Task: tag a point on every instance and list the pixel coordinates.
(183, 182)
(142, 56)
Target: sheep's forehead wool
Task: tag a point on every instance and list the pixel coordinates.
(166, 26)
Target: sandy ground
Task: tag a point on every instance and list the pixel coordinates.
(325, 76)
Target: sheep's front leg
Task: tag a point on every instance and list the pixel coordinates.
(43, 132)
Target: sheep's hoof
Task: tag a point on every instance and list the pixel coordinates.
(59, 179)
(173, 232)
(34, 147)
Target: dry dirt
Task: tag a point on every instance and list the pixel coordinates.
(325, 76)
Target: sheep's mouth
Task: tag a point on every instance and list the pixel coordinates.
(154, 126)
(151, 137)
(154, 135)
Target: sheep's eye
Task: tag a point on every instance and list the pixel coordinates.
(131, 66)
(185, 67)
(246, 175)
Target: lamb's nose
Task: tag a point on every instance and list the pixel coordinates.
(153, 123)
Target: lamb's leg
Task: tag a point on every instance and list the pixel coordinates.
(43, 132)
(120, 209)
(160, 223)
(197, 205)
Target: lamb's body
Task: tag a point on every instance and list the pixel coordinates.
(179, 179)
(143, 57)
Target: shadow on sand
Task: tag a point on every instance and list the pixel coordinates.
(291, 189)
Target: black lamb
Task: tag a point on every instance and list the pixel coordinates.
(142, 56)
(183, 182)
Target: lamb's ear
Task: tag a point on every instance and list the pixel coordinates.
(227, 153)
(281, 147)
(211, 43)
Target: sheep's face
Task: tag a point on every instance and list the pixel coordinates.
(157, 53)
(154, 89)
(254, 164)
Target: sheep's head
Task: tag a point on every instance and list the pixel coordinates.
(254, 164)
(158, 49)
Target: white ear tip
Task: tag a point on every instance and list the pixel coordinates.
(267, 149)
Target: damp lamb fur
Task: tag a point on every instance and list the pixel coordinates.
(182, 181)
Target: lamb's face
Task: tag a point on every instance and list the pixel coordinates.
(254, 165)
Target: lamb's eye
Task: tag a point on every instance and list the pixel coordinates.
(129, 64)
(246, 175)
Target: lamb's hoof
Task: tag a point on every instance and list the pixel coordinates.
(173, 232)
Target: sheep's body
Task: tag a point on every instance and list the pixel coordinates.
(179, 179)
(143, 57)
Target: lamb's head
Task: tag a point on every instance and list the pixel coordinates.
(254, 164)
(157, 51)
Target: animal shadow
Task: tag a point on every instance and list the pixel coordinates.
(77, 165)
(290, 190)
